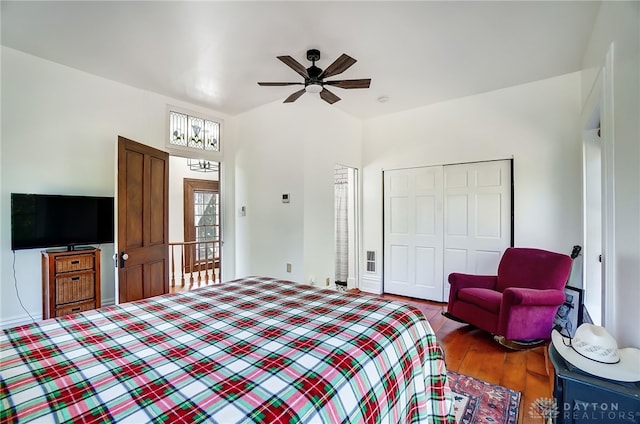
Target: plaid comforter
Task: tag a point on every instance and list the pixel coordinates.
(250, 350)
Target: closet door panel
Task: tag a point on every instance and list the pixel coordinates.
(399, 264)
(413, 232)
(426, 267)
(457, 215)
(489, 215)
(486, 186)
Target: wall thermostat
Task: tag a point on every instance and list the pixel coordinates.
(285, 198)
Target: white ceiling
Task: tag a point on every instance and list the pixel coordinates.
(213, 53)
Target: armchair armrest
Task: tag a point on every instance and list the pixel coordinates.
(461, 281)
(535, 297)
(527, 314)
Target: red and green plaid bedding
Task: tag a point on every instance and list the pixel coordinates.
(255, 350)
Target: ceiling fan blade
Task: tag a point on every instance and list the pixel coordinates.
(294, 96)
(328, 96)
(295, 65)
(354, 83)
(340, 65)
(275, 84)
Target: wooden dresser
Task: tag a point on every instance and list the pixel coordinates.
(70, 281)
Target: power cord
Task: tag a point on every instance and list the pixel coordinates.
(15, 284)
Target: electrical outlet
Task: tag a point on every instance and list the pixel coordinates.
(328, 281)
(288, 267)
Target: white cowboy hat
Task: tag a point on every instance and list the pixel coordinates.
(596, 352)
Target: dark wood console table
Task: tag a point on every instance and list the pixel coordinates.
(582, 398)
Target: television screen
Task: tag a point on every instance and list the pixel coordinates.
(45, 220)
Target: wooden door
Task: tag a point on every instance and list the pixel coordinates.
(202, 224)
(143, 224)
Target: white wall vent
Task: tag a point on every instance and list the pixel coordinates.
(371, 261)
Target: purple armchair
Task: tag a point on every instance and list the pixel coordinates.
(520, 302)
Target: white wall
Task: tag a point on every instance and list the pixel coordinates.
(619, 23)
(291, 148)
(59, 135)
(536, 124)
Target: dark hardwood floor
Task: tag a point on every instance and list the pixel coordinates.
(474, 353)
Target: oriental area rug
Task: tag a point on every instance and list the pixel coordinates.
(479, 402)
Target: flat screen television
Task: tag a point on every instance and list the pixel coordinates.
(48, 220)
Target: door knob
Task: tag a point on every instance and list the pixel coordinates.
(123, 257)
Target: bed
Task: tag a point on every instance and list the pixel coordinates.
(250, 350)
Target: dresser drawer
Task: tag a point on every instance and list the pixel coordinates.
(74, 309)
(73, 263)
(75, 288)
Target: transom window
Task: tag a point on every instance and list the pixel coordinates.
(193, 132)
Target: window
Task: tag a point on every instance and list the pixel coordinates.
(202, 223)
(189, 132)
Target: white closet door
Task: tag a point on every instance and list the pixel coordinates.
(413, 232)
(477, 217)
(443, 219)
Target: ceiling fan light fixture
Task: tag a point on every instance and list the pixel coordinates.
(314, 77)
(313, 88)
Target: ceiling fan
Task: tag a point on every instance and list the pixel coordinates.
(314, 77)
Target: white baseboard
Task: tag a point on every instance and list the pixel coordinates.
(371, 285)
(26, 319)
(19, 320)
